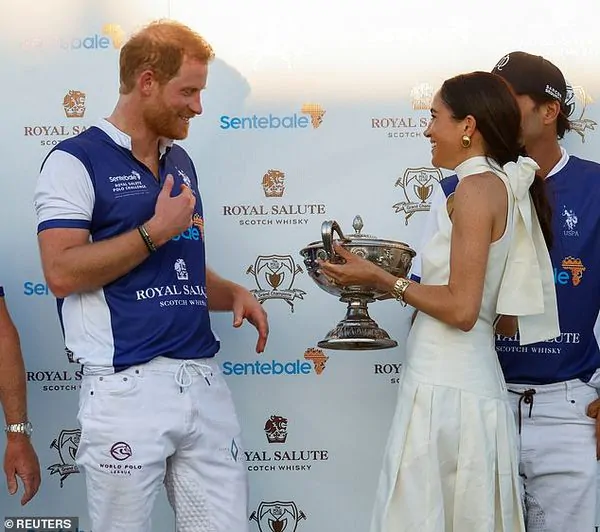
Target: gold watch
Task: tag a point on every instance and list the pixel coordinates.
(400, 287)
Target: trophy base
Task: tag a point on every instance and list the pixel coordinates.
(357, 344)
(357, 331)
(357, 335)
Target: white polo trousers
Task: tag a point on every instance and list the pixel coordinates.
(557, 446)
(170, 421)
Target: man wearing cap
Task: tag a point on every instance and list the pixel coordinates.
(553, 383)
(20, 460)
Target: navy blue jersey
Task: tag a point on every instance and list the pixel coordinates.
(574, 192)
(93, 181)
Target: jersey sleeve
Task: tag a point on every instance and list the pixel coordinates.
(64, 194)
(429, 230)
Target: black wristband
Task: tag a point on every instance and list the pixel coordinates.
(146, 238)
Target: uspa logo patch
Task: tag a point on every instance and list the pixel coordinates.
(570, 221)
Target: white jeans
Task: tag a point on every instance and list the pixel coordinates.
(168, 421)
(557, 444)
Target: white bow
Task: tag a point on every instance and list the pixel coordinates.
(521, 175)
(527, 288)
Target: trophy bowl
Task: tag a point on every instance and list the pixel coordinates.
(357, 331)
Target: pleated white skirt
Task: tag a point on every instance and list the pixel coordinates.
(450, 464)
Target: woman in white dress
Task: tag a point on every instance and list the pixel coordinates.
(450, 462)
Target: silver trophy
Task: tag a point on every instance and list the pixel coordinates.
(357, 331)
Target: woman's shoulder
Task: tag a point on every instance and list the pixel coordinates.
(483, 184)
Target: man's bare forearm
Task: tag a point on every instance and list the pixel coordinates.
(90, 266)
(13, 395)
(220, 292)
(73, 265)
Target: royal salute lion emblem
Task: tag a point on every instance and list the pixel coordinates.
(273, 183)
(74, 104)
(276, 429)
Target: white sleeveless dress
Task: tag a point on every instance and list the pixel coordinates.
(451, 460)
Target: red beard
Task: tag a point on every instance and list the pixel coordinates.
(165, 122)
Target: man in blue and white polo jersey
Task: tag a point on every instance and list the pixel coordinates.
(121, 235)
(554, 384)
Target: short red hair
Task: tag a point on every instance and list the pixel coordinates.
(161, 47)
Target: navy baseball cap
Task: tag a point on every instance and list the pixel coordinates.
(532, 75)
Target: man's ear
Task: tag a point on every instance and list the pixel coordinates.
(551, 111)
(146, 82)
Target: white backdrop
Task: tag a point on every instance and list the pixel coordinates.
(355, 81)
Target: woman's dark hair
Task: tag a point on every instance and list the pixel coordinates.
(490, 100)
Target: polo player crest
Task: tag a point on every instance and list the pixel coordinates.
(274, 276)
(417, 185)
(66, 444)
(277, 516)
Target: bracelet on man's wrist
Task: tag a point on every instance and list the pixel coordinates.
(146, 238)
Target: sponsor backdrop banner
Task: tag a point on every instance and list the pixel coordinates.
(312, 113)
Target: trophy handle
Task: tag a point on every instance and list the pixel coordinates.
(327, 229)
